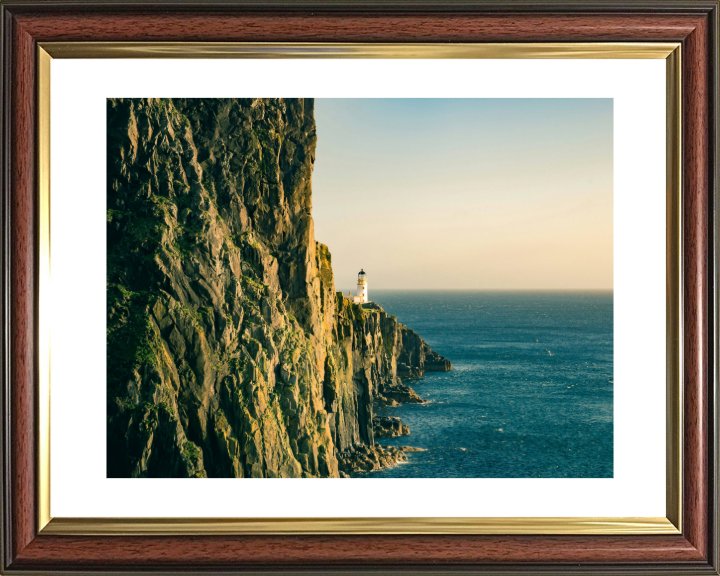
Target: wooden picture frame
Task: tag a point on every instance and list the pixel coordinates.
(31, 545)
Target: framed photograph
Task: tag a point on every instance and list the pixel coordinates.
(301, 287)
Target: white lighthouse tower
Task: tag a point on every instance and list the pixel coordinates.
(362, 289)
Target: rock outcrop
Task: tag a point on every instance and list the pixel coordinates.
(230, 354)
(389, 427)
(434, 362)
(416, 356)
(363, 459)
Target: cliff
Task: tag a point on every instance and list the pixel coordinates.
(230, 354)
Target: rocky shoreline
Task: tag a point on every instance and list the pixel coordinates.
(389, 427)
(358, 460)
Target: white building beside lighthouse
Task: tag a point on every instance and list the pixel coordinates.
(362, 289)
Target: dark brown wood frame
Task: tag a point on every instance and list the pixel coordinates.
(694, 23)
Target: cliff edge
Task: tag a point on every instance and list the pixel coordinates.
(230, 354)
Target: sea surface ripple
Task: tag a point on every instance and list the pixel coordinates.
(531, 390)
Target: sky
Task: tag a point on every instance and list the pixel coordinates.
(469, 194)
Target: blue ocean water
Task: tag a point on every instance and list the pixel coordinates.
(531, 390)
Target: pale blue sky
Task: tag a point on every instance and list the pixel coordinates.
(466, 193)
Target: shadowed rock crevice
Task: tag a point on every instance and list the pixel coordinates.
(230, 354)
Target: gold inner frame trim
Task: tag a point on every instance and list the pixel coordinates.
(673, 313)
(228, 526)
(671, 52)
(567, 50)
(43, 398)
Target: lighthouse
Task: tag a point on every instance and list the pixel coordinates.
(362, 289)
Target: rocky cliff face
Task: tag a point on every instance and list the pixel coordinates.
(229, 352)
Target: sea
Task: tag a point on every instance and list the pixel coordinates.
(530, 394)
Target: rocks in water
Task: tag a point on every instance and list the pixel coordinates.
(365, 459)
(416, 357)
(381, 401)
(389, 427)
(402, 393)
(411, 449)
(436, 363)
(405, 371)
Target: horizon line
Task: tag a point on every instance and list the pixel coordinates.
(492, 289)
